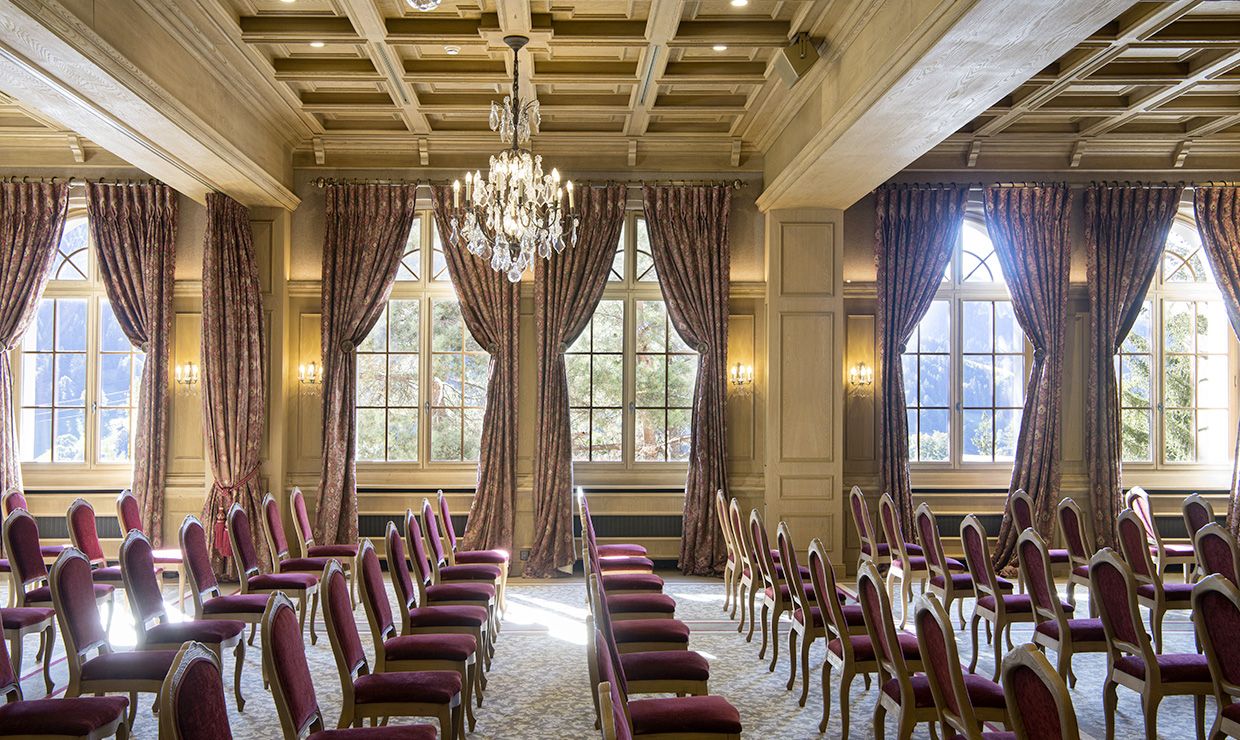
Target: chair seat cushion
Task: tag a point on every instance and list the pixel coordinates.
(984, 693)
(1173, 593)
(110, 574)
(304, 565)
(494, 557)
(632, 582)
(641, 602)
(470, 572)
(1018, 603)
(1176, 551)
(43, 594)
(965, 581)
(1081, 630)
(210, 631)
(17, 617)
(461, 591)
(779, 572)
(68, 717)
(236, 604)
(429, 687)
(665, 665)
(132, 665)
(169, 556)
(785, 593)
(52, 551)
(1232, 711)
(650, 630)
(333, 551)
(616, 549)
(863, 649)
(4, 566)
(430, 647)
(1172, 667)
(391, 732)
(1081, 570)
(691, 714)
(447, 616)
(1003, 735)
(884, 549)
(281, 581)
(918, 563)
(1057, 556)
(625, 562)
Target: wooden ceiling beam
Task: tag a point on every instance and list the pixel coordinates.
(325, 69)
(474, 71)
(424, 30)
(370, 23)
(744, 33)
(297, 29)
(661, 26)
(715, 72)
(585, 72)
(328, 102)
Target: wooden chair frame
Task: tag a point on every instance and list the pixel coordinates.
(746, 593)
(1139, 501)
(865, 532)
(999, 617)
(1225, 692)
(424, 576)
(1069, 515)
(45, 628)
(444, 519)
(927, 527)
(282, 560)
(244, 574)
(169, 559)
(1195, 501)
(805, 631)
(1158, 605)
(1216, 531)
(187, 655)
(846, 661)
(21, 580)
(773, 604)
(611, 732)
(275, 602)
(14, 500)
(908, 714)
(901, 566)
(432, 535)
(1065, 646)
(199, 595)
(731, 566)
(966, 722)
(1027, 656)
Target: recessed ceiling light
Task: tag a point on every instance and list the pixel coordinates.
(720, 47)
(735, 3)
(317, 44)
(452, 50)
(290, 2)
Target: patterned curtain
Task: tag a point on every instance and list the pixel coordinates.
(1029, 228)
(134, 229)
(491, 308)
(915, 230)
(32, 217)
(233, 354)
(1125, 230)
(366, 231)
(691, 248)
(1218, 221)
(567, 288)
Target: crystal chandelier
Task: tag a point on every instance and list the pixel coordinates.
(515, 212)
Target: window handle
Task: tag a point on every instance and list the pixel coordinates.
(632, 407)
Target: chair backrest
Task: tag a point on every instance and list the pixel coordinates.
(607, 674)
(1022, 509)
(928, 531)
(762, 550)
(422, 571)
(1197, 513)
(431, 533)
(146, 600)
(373, 595)
(936, 641)
(191, 701)
(273, 528)
(198, 571)
(792, 571)
(1114, 590)
(77, 612)
(10, 685)
(285, 666)
(602, 625)
(892, 531)
(1038, 703)
(977, 558)
(611, 713)
(407, 594)
(241, 537)
(1216, 551)
(341, 626)
(725, 526)
(82, 531)
(445, 520)
(301, 520)
(14, 500)
(1216, 614)
(881, 626)
(1035, 567)
(744, 540)
(128, 513)
(822, 576)
(1076, 537)
(21, 543)
(861, 520)
(1139, 501)
(1134, 546)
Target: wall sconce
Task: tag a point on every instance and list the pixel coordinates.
(187, 374)
(741, 375)
(310, 373)
(861, 374)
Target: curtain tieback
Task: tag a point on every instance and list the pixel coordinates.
(228, 495)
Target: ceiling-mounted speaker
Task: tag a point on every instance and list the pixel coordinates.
(795, 59)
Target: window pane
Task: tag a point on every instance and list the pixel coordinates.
(1213, 435)
(69, 428)
(472, 442)
(114, 435)
(371, 433)
(1136, 435)
(579, 424)
(978, 261)
(617, 263)
(477, 373)
(1178, 326)
(978, 435)
(651, 326)
(406, 326)
(111, 337)
(70, 380)
(1135, 380)
(1179, 436)
(651, 379)
(608, 327)
(36, 379)
(1178, 380)
(114, 379)
(411, 263)
(1213, 329)
(1212, 380)
(402, 435)
(72, 260)
(439, 264)
(681, 379)
(459, 376)
(607, 433)
(447, 329)
(679, 431)
(41, 332)
(376, 340)
(909, 365)
(651, 435)
(1008, 334)
(645, 260)
(577, 367)
(934, 438)
(1010, 381)
(371, 379)
(935, 328)
(402, 380)
(1183, 261)
(446, 429)
(1140, 338)
(977, 382)
(36, 435)
(608, 380)
(71, 324)
(934, 380)
(1007, 432)
(975, 326)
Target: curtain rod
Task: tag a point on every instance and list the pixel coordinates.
(322, 182)
(1163, 185)
(75, 182)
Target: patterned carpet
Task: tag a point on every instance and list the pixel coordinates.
(538, 684)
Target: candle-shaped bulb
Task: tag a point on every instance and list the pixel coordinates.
(569, 186)
(555, 175)
(456, 193)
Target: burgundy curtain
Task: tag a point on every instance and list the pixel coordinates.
(32, 217)
(366, 231)
(135, 228)
(1218, 221)
(233, 356)
(491, 308)
(915, 230)
(1029, 228)
(1125, 230)
(691, 248)
(567, 288)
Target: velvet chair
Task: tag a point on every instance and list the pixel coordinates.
(1153, 592)
(377, 696)
(808, 616)
(77, 613)
(776, 596)
(614, 549)
(170, 559)
(85, 537)
(616, 581)
(1131, 660)
(191, 701)
(430, 593)
(305, 533)
(1077, 537)
(18, 622)
(204, 588)
(292, 686)
(1217, 552)
(21, 542)
(993, 604)
(905, 566)
(1216, 614)
(304, 586)
(953, 699)
(849, 649)
(1197, 513)
(1038, 702)
(415, 619)
(146, 603)
(680, 718)
(444, 572)
(83, 718)
(619, 558)
(731, 566)
(395, 652)
(872, 550)
(627, 603)
(1021, 504)
(457, 556)
(1165, 553)
(946, 580)
(640, 635)
(1056, 629)
(748, 574)
(282, 560)
(14, 500)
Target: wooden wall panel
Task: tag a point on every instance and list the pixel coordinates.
(740, 414)
(186, 448)
(860, 407)
(807, 403)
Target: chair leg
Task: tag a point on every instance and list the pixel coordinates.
(792, 658)
(239, 657)
(826, 698)
(973, 628)
(997, 647)
(906, 599)
(776, 613)
(1199, 715)
(15, 655)
(727, 587)
(1149, 708)
(133, 707)
(805, 643)
(845, 691)
(738, 604)
(466, 696)
(765, 611)
(880, 720)
(1156, 625)
(753, 600)
(314, 608)
(1109, 701)
(253, 629)
(49, 643)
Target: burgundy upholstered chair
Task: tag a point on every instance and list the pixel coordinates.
(616, 581)
(191, 701)
(282, 560)
(1038, 701)
(731, 566)
(14, 500)
(1217, 552)
(1080, 548)
(808, 619)
(1131, 660)
(776, 595)
(146, 602)
(1056, 629)
(21, 542)
(681, 717)
(130, 517)
(424, 652)
(952, 698)
(204, 588)
(1153, 592)
(1216, 614)
(83, 718)
(305, 533)
(292, 686)
(460, 593)
(1197, 513)
(1165, 553)
(946, 580)
(905, 565)
(304, 586)
(627, 603)
(640, 635)
(377, 696)
(612, 549)
(77, 613)
(85, 537)
(746, 592)
(1022, 515)
(459, 556)
(20, 621)
(872, 550)
(615, 558)
(444, 572)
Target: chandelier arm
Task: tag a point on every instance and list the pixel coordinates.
(516, 95)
